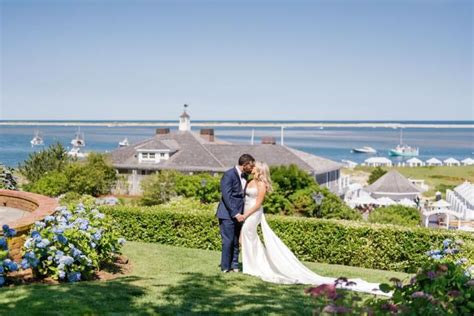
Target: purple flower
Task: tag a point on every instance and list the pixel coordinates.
(431, 275)
(418, 294)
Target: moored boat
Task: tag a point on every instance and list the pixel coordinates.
(37, 139)
(364, 150)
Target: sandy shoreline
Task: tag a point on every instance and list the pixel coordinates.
(238, 124)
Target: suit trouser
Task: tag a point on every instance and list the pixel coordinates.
(230, 233)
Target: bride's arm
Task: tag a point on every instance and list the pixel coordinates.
(262, 190)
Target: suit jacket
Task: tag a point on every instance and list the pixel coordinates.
(232, 195)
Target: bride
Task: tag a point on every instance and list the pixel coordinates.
(273, 261)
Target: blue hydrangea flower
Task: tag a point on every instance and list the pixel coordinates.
(437, 257)
(5, 227)
(3, 244)
(76, 252)
(74, 276)
(66, 260)
(93, 244)
(121, 241)
(9, 232)
(35, 234)
(97, 235)
(447, 242)
(62, 239)
(24, 264)
(58, 230)
(40, 224)
(1, 269)
(2, 280)
(48, 219)
(43, 243)
(62, 274)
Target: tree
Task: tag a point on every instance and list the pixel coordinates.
(159, 188)
(291, 178)
(376, 174)
(54, 158)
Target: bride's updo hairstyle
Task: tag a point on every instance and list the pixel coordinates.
(262, 173)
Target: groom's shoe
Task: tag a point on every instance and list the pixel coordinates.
(225, 271)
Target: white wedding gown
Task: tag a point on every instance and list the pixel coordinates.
(274, 262)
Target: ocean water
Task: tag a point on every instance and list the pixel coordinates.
(331, 142)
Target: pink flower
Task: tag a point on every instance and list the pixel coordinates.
(454, 293)
(328, 290)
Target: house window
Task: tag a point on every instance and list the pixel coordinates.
(162, 155)
(151, 155)
(144, 155)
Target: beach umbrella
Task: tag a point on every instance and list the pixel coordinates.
(385, 201)
(407, 202)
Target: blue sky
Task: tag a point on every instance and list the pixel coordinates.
(249, 60)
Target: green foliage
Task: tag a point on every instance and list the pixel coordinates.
(71, 199)
(54, 183)
(159, 188)
(374, 246)
(276, 203)
(7, 180)
(396, 214)
(7, 265)
(443, 285)
(376, 174)
(71, 245)
(94, 177)
(52, 159)
(290, 179)
(202, 186)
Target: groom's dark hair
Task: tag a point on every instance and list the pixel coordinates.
(245, 158)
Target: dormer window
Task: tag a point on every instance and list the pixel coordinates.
(152, 155)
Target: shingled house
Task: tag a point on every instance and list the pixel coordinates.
(190, 152)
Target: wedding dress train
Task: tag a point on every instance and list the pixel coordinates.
(274, 262)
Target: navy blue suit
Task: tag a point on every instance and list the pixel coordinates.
(230, 205)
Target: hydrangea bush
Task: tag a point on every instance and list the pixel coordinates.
(6, 264)
(71, 245)
(442, 286)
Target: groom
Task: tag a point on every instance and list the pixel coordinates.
(230, 209)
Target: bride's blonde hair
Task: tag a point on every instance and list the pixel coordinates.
(262, 173)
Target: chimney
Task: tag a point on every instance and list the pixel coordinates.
(268, 140)
(207, 134)
(162, 131)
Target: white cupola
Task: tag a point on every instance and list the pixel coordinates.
(184, 121)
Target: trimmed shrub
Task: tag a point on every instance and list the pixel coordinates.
(374, 246)
(396, 214)
(159, 188)
(290, 179)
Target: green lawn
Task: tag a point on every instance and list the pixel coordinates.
(172, 280)
(438, 178)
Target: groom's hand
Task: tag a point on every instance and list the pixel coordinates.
(240, 218)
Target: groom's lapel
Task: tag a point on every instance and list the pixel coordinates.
(238, 177)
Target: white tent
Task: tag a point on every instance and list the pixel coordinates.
(451, 162)
(414, 162)
(434, 162)
(407, 202)
(468, 162)
(384, 201)
(349, 163)
(378, 161)
(364, 200)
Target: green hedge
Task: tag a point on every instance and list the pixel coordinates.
(374, 246)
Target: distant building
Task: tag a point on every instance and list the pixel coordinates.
(395, 186)
(191, 152)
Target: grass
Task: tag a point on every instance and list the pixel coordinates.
(438, 178)
(170, 280)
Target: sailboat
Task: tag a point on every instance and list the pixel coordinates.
(124, 142)
(37, 139)
(78, 140)
(402, 149)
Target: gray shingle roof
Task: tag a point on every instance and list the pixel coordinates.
(195, 153)
(393, 184)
